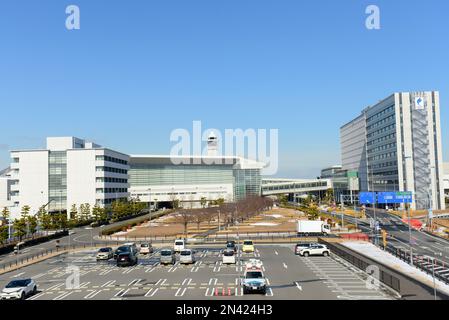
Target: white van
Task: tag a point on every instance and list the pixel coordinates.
(228, 256)
(179, 245)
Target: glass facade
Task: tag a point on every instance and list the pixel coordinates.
(57, 180)
(162, 175)
(246, 181)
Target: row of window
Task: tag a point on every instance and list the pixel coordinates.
(387, 137)
(381, 122)
(380, 114)
(111, 159)
(112, 190)
(112, 180)
(382, 147)
(384, 129)
(383, 156)
(110, 169)
(384, 165)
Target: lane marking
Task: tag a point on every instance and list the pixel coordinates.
(298, 286)
(63, 295)
(285, 266)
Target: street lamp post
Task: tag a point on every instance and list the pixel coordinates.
(408, 215)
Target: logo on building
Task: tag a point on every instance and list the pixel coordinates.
(420, 103)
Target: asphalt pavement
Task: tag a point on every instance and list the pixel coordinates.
(289, 277)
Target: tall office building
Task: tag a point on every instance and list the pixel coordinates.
(395, 145)
(70, 171)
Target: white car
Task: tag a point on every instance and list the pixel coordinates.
(315, 250)
(19, 289)
(146, 248)
(228, 256)
(186, 256)
(179, 245)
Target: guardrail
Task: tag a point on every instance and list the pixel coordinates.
(424, 263)
(384, 276)
(22, 260)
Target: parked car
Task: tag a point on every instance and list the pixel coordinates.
(229, 256)
(126, 259)
(146, 248)
(248, 246)
(187, 256)
(315, 250)
(18, 289)
(179, 245)
(230, 245)
(124, 249)
(168, 256)
(105, 254)
(131, 244)
(300, 246)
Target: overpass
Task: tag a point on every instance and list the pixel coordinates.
(283, 186)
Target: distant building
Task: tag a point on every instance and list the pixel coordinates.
(69, 171)
(395, 145)
(344, 182)
(188, 179)
(5, 189)
(446, 180)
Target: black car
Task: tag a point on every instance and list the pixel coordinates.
(122, 249)
(126, 259)
(230, 245)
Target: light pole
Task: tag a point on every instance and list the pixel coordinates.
(408, 214)
(430, 216)
(374, 205)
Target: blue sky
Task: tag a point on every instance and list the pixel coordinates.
(136, 70)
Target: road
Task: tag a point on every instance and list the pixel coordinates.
(423, 243)
(289, 277)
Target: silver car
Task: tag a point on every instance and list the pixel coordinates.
(168, 256)
(187, 256)
(105, 254)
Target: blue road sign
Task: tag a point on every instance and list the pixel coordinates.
(394, 197)
(386, 197)
(367, 197)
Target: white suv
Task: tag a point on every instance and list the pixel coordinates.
(19, 289)
(315, 250)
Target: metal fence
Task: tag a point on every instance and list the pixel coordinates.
(426, 264)
(385, 277)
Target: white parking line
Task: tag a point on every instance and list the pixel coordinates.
(63, 295)
(54, 286)
(285, 266)
(92, 294)
(108, 283)
(134, 282)
(151, 292)
(269, 292)
(36, 296)
(180, 292)
(121, 293)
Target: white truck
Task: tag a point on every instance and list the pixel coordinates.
(312, 228)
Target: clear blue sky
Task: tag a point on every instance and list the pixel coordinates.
(139, 69)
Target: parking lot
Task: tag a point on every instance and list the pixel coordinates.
(288, 277)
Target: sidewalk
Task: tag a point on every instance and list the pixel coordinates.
(385, 258)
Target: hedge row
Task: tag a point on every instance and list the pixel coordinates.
(107, 231)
